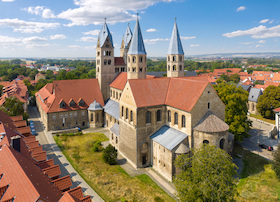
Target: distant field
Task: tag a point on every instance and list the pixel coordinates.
(258, 181)
(112, 183)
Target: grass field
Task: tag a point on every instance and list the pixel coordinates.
(258, 181)
(263, 119)
(112, 183)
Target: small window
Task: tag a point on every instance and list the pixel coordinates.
(174, 67)
(141, 59)
(81, 102)
(168, 58)
(180, 58)
(117, 70)
(174, 58)
(122, 111)
(183, 121)
(112, 136)
(168, 67)
(126, 113)
(66, 115)
(133, 59)
(116, 140)
(53, 116)
(208, 105)
(83, 113)
(83, 123)
(105, 62)
(141, 69)
(148, 117)
(169, 116)
(134, 69)
(176, 118)
(222, 142)
(91, 116)
(70, 114)
(61, 116)
(180, 67)
(72, 103)
(98, 53)
(158, 115)
(205, 142)
(109, 62)
(75, 114)
(131, 116)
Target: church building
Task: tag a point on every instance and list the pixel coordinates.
(151, 120)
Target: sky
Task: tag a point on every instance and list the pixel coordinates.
(70, 28)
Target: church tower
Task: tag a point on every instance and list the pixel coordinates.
(126, 43)
(136, 56)
(105, 62)
(175, 55)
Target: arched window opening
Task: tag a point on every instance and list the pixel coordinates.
(97, 69)
(174, 58)
(128, 59)
(183, 121)
(109, 62)
(174, 67)
(91, 117)
(141, 59)
(180, 58)
(222, 143)
(168, 58)
(168, 67)
(105, 62)
(126, 113)
(169, 116)
(131, 116)
(116, 140)
(112, 136)
(109, 53)
(148, 117)
(205, 142)
(133, 59)
(176, 118)
(158, 115)
(208, 105)
(180, 67)
(122, 111)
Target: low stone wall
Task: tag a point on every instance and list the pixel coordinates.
(72, 130)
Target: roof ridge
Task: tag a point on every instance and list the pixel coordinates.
(165, 102)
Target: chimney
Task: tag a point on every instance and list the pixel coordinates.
(15, 143)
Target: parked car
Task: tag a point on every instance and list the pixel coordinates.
(264, 146)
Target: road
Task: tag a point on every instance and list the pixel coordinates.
(53, 152)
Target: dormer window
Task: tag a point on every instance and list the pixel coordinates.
(62, 104)
(81, 102)
(72, 103)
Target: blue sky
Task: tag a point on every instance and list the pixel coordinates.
(69, 28)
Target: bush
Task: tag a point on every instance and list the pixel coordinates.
(110, 155)
(276, 163)
(97, 147)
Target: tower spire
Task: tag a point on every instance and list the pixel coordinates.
(175, 45)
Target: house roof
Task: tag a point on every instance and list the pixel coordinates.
(63, 182)
(137, 46)
(50, 96)
(174, 92)
(104, 33)
(254, 94)
(119, 61)
(95, 106)
(115, 129)
(168, 137)
(112, 108)
(182, 149)
(211, 123)
(175, 45)
(277, 109)
(127, 36)
(52, 171)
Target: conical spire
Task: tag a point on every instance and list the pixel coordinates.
(127, 36)
(175, 46)
(104, 33)
(137, 45)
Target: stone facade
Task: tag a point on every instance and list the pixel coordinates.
(252, 107)
(136, 66)
(175, 65)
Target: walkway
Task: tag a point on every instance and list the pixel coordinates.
(54, 152)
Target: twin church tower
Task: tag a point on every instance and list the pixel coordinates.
(133, 58)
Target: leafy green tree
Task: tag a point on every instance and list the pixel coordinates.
(1, 90)
(276, 163)
(234, 78)
(268, 101)
(110, 155)
(16, 61)
(208, 175)
(224, 77)
(235, 99)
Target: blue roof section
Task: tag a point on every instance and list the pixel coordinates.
(115, 129)
(104, 33)
(175, 46)
(95, 106)
(168, 137)
(254, 94)
(127, 36)
(112, 108)
(137, 44)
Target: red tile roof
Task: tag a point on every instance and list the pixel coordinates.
(24, 130)
(63, 182)
(40, 156)
(17, 118)
(76, 192)
(32, 144)
(45, 164)
(19, 124)
(53, 171)
(29, 139)
(181, 93)
(121, 79)
(119, 61)
(68, 198)
(36, 150)
(86, 89)
(277, 109)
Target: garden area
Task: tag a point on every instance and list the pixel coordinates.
(258, 181)
(111, 182)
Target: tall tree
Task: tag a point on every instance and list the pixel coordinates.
(1, 90)
(268, 101)
(208, 175)
(235, 99)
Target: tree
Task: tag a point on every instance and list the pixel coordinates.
(235, 99)
(14, 107)
(110, 155)
(234, 78)
(224, 77)
(268, 101)
(1, 90)
(208, 175)
(276, 163)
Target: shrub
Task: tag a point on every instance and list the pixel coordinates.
(97, 147)
(276, 163)
(110, 155)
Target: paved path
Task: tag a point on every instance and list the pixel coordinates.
(54, 152)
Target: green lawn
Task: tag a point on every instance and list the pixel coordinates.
(263, 119)
(258, 181)
(112, 183)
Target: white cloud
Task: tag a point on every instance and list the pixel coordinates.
(260, 32)
(57, 36)
(258, 45)
(27, 27)
(264, 21)
(8, 0)
(153, 41)
(74, 46)
(241, 8)
(262, 41)
(7, 39)
(88, 39)
(187, 37)
(33, 39)
(194, 45)
(151, 30)
(40, 10)
(94, 11)
(92, 32)
(271, 21)
(247, 43)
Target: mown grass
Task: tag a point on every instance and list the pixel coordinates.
(258, 181)
(112, 183)
(263, 119)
